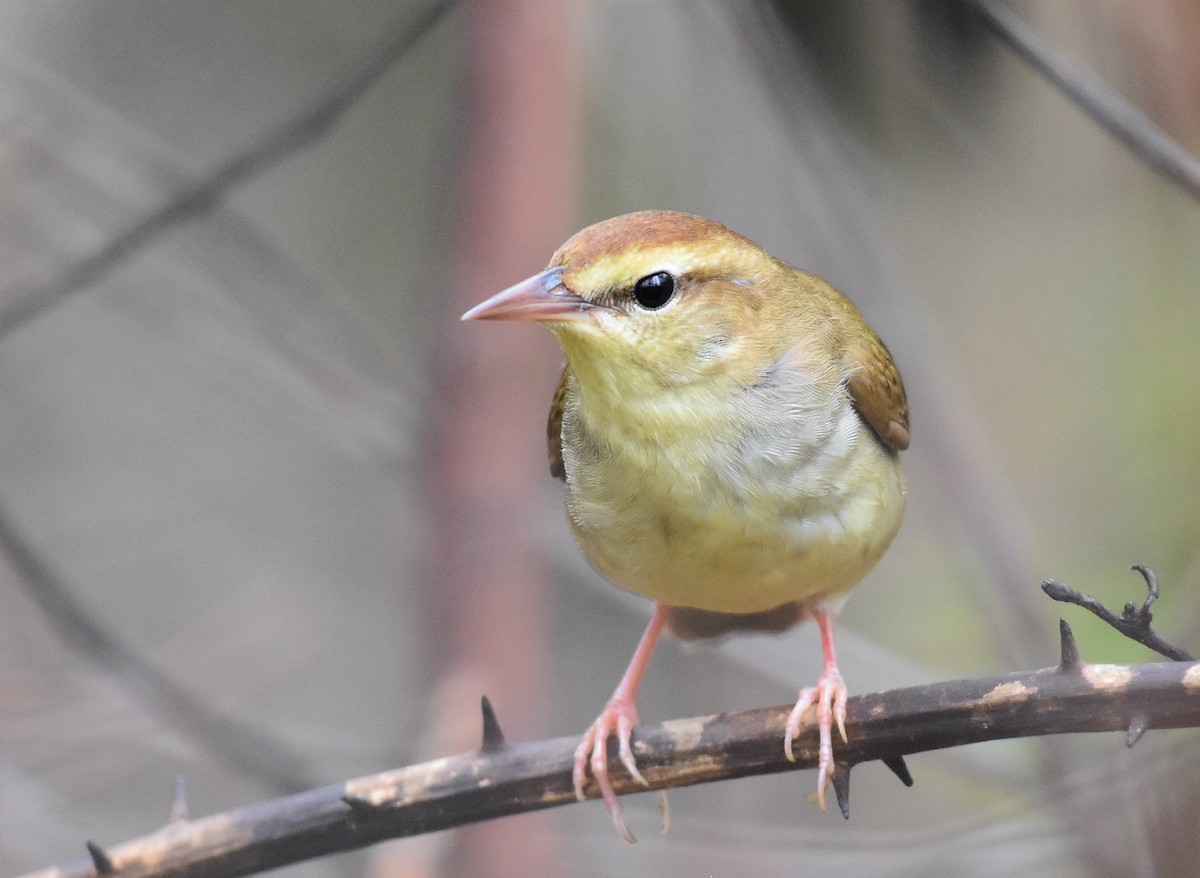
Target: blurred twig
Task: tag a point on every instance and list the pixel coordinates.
(235, 743)
(241, 746)
(1090, 93)
(496, 781)
(1133, 621)
(488, 586)
(265, 152)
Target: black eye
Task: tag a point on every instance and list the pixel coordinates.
(654, 290)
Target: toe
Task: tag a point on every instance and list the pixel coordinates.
(792, 728)
(829, 695)
(617, 718)
(579, 772)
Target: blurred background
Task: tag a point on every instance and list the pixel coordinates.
(273, 518)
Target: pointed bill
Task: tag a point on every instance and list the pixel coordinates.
(541, 297)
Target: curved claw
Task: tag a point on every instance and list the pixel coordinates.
(792, 730)
(619, 716)
(625, 726)
(829, 695)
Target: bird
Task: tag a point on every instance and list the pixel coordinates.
(728, 427)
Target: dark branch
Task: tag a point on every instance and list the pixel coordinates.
(198, 198)
(1133, 622)
(1090, 93)
(525, 777)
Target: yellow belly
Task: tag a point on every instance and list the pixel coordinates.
(740, 529)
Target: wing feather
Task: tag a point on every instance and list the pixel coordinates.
(878, 390)
(554, 427)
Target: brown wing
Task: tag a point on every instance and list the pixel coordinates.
(554, 427)
(878, 390)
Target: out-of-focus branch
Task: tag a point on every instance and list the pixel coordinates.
(242, 747)
(508, 779)
(514, 199)
(297, 132)
(235, 743)
(1090, 93)
(1133, 621)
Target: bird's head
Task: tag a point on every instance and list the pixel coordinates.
(655, 296)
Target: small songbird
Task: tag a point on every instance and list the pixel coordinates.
(728, 429)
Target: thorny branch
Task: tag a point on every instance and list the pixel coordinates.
(502, 778)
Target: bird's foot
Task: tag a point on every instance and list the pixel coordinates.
(619, 716)
(829, 695)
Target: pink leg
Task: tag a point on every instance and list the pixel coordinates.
(829, 694)
(620, 716)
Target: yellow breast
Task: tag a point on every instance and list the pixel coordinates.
(731, 499)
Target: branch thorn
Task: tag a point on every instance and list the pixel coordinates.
(179, 806)
(899, 768)
(841, 788)
(1070, 662)
(493, 737)
(360, 808)
(1138, 726)
(100, 858)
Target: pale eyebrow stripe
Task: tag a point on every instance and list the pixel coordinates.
(638, 263)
